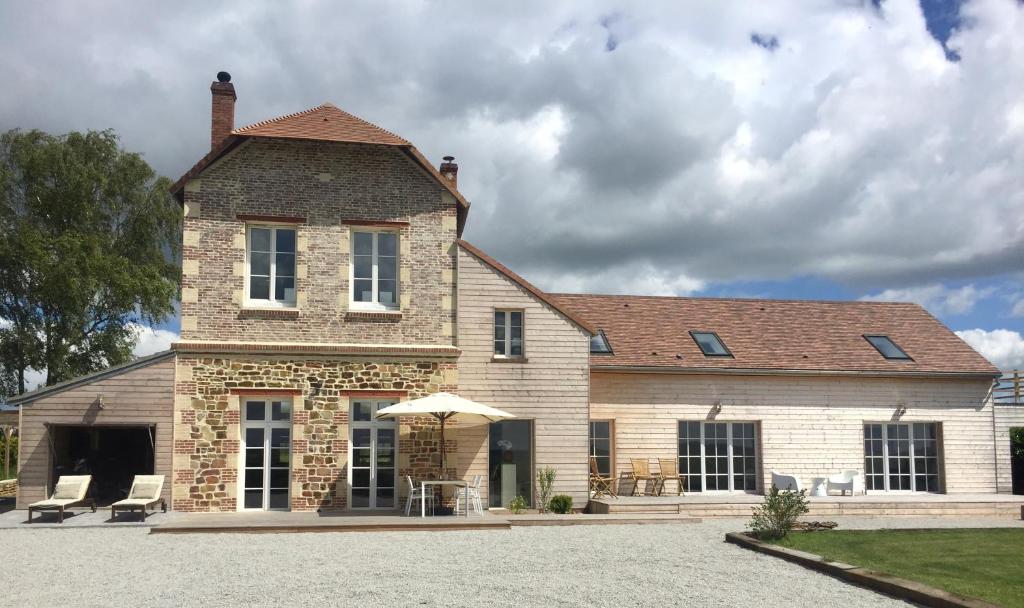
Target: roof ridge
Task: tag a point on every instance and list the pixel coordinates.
(733, 299)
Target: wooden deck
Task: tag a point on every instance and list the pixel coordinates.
(284, 521)
(740, 505)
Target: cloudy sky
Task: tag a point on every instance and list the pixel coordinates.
(807, 149)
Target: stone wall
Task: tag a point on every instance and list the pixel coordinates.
(325, 190)
(8, 488)
(207, 439)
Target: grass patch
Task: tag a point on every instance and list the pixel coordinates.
(987, 564)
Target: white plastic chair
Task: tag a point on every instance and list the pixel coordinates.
(843, 481)
(415, 494)
(785, 482)
(474, 496)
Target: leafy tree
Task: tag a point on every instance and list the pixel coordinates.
(89, 245)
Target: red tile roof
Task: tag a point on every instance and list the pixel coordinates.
(515, 278)
(325, 122)
(810, 336)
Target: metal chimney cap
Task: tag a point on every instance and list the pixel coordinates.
(223, 77)
(448, 159)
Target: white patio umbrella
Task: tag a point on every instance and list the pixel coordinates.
(444, 407)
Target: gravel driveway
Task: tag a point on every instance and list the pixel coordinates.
(610, 565)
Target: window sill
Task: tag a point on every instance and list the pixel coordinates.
(268, 313)
(509, 360)
(380, 316)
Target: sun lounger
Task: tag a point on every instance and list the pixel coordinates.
(70, 491)
(145, 493)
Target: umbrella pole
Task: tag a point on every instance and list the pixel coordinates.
(443, 418)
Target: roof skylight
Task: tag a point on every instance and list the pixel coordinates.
(888, 348)
(599, 343)
(710, 344)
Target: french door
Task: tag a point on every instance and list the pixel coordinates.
(718, 456)
(901, 457)
(266, 454)
(373, 457)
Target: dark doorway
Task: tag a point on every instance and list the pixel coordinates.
(1017, 458)
(113, 455)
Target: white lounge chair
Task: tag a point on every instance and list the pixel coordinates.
(843, 481)
(70, 491)
(785, 482)
(145, 493)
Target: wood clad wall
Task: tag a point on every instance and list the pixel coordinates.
(551, 388)
(1006, 417)
(143, 396)
(810, 426)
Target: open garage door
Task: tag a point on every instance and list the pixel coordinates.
(113, 455)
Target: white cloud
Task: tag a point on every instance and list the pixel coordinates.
(1003, 347)
(1018, 307)
(151, 340)
(938, 299)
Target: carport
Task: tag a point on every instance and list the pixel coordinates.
(113, 425)
(113, 454)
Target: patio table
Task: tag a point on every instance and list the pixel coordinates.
(457, 483)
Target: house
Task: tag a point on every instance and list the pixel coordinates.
(324, 276)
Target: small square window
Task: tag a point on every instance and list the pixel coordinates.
(710, 344)
(888, 348)
(599, 343)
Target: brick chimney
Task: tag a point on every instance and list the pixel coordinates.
(223, 116)
(450, 171)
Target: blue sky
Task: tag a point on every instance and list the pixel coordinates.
(791, 149)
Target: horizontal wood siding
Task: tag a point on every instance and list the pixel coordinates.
(809, 426)
(1006, 417)
(143, 396)
(551, 388)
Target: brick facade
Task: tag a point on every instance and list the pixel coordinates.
(323, 185)
(325, 190)
(209, 392)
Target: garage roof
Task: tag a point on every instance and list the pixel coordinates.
(29, 397)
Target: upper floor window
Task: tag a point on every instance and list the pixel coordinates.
(508, 333)
(271, 266)
(710, 344)
(887, 347)
(375, 269)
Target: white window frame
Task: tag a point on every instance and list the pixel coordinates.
(251, 302)
(267, 424)
(911, 456)
(507, 324)
(374, 304)
(374, 424)
(729, 456)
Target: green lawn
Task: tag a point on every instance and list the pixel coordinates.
(987, 564)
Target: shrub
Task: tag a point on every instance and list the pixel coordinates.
(545, 481)
(517, 506)
(560, 503)
(775, 518)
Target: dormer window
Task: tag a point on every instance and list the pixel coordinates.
(710, 344)
(271, 266)
(374, 270)
(888, 348)
(599, 344)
